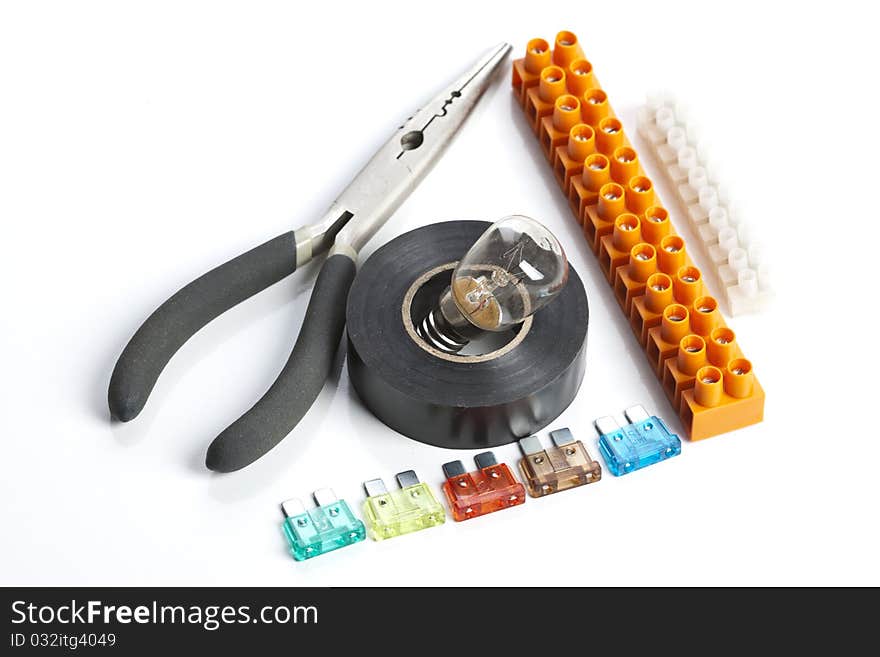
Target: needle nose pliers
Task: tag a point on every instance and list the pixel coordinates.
(362, 208)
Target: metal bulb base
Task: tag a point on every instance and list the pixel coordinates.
(445, 327)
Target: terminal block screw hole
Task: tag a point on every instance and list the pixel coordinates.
(740, 367)
(583, 68)
(610, 126)
(659, 282)
(693, 344)
(657, 215)
(628, 223)
(626, 155)
(596, 97)
(641, 185)
(710, 375)
(672, 244)
(538, 46)
(723, 336)
(597, 162)
(690, 275)
(706, 306)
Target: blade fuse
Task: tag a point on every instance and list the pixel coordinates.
(490, 488)
(564, 465)
(328, 527)
(643, 442)
(409, 509)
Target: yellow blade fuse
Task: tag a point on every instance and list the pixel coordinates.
(390, 514)
(564, 465)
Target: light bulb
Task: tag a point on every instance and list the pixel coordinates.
(513, 270)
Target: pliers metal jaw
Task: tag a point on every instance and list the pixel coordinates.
(362, 208)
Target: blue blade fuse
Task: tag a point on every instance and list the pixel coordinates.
(643, 442)
(329, 526)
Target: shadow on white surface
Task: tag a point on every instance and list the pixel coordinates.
(235, 486)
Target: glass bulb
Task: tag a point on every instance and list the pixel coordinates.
(513, 270)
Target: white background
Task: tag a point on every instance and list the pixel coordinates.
(143, 143)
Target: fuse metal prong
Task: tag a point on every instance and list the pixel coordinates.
(453, 469)
(375, 487)
(485, 460)
(324, 496)
(407, 478)
(292, 507)
(531, 445)
(562, 437)
(606, 425)
(636, 414)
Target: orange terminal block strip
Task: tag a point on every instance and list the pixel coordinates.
(689, 346)
(737, 259)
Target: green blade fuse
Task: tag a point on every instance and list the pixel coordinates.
(409, 509)
(329, 526)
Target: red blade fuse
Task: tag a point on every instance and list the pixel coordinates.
(490, 488)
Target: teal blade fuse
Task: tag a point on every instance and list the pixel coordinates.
(329, 526)
(643, 442)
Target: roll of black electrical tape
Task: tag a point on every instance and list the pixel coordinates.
(457, 401)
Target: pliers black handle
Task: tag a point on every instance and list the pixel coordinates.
(362, 208)
(207, 297)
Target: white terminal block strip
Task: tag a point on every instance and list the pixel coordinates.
(736, 258)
